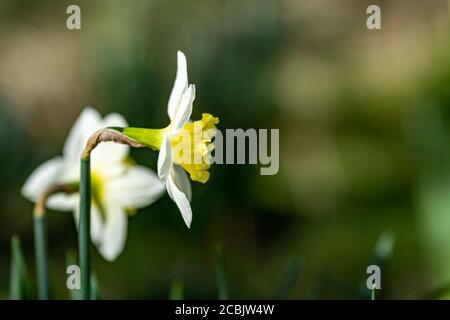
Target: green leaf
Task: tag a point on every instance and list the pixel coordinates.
(96, 293)
(442, 292)
(220, 273)
(19, 275)
(176, 290)
(289, 279)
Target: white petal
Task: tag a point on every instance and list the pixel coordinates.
(114, 234)
(165, 159)
(63, 202)
(96, 222)
(181, 201)
(184, 110)
(114, 120)
(42, 177)
(182, 181)
(108, 157)
(87, 123)
(137, 188)
(179, 86)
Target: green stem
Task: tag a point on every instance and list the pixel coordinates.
(85, 227)
(40, 235)
(84, 231)
(40, 246)
(71, 260)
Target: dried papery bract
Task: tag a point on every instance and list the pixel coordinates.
(106, 135)
(102, 135)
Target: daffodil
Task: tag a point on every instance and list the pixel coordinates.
(184, 146)
(118, 185)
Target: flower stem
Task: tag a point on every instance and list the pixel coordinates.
(40, 236)
(84, 231)
(40, 247)
(85, 227)
(71, 260)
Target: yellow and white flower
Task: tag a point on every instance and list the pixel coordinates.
(117, 185)
(182, 144)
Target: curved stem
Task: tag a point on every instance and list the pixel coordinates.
(40, 237)
(102, 135)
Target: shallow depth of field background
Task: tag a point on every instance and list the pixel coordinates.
(364, 119)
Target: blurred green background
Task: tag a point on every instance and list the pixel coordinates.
(364, 119)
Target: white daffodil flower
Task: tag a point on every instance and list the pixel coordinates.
(117, 185)
(182, 144)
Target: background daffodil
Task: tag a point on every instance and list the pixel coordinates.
(182, 144)
(117, 185)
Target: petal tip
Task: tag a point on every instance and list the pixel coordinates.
(181, 55)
